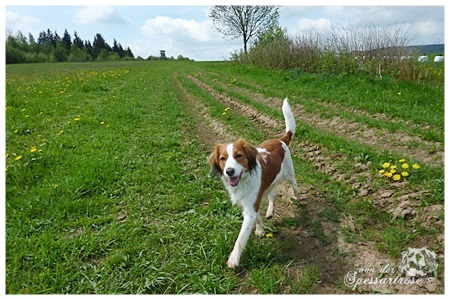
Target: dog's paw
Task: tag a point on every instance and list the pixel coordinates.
(269, 215)
(233, 260)
(259, 231)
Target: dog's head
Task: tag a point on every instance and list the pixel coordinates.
(234, 161)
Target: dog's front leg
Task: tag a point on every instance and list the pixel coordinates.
(246, 229)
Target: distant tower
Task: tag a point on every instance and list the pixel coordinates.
(163, 54)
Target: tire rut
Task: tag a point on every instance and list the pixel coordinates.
(430, 153)
(390, 198)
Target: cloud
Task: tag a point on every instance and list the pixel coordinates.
(188, 30)
(98, 14)
(422, 24)
(319, 25)
(25, 24)
(194, 39)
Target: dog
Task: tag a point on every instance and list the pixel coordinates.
(250, 174)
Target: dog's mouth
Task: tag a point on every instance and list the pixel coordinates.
(234, 181)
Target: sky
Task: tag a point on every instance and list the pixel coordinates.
(186, 30)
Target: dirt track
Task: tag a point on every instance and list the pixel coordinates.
(312, 203)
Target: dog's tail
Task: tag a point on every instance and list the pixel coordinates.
(290, 123)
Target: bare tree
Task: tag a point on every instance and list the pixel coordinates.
(246, 21)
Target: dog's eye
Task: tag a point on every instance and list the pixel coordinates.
(223, 158)
(237, 156)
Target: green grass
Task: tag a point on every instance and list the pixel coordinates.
(107, 186)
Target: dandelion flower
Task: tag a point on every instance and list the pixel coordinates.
(416, 166)
(405, 174)
(402, 160)
(33, 149)
(18, 157)
(224, 113)
(269, 235)
(397, 177)
(388, 174)
(386, 165)
(101, 123)
(393, 170)
(382, 171)
(76, 119)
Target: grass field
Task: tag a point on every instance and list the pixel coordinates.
(107, 186)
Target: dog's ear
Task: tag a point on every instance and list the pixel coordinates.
(251, 152)
(213, 161)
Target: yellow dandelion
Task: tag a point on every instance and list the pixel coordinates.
(416, 166)
(388, 174)
(405, 174)
(33, 149)
(382, 171)
(386, 165)
(224, 113)
(101, 123)
(405, 166)
(402, 160)
(107, 126)
(397, 177)
(18, 157)
(393, 170)
(76, 119)
(269, 235)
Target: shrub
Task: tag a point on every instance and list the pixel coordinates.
(366, 50)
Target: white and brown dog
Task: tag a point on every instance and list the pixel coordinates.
(250, 174)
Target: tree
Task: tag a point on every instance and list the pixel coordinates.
(77, 41)
(97, 46)
(67, 40)
(246, 21)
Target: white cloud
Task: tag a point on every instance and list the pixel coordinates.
(179, 29)
(98, 14)
(25, 24)
(319, 25)
(194, 39)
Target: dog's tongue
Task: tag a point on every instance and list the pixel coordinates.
(234, 181)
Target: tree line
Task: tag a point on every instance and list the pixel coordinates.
(50, 47)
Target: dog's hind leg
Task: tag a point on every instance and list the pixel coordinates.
(259, 231)
(293, 183)
(270, 208)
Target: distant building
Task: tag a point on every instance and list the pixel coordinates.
(163, 54)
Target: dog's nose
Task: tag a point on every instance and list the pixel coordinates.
(229, 171)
